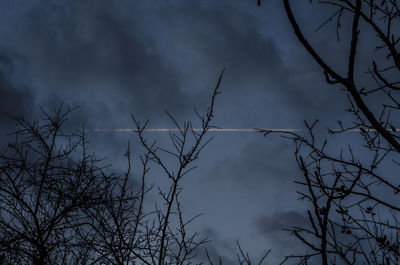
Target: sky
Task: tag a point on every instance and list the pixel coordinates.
(116, 58)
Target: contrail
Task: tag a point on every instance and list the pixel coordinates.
(196, 130)
(224, 130)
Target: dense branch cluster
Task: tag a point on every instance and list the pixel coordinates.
(58, 205)
(354, 193)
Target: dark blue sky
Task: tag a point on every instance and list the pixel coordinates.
(113, 58)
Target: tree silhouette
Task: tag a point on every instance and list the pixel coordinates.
(59, 205)
(48, 180)
(354, 199)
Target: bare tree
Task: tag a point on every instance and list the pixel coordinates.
(127, 233)
(58, 205)
(354, 199)
(47, 181)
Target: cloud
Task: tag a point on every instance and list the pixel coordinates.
(15, 99)
(283, 242)
(87, 54)
(274, 224)
(258, 83)
(113, 58)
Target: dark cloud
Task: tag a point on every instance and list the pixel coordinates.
(111, 59)
(87, 54)
(258, 80)
(273, 226)
(275, 223)
(15, 99)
